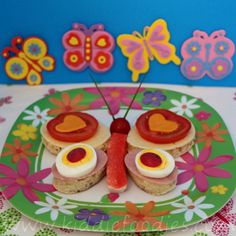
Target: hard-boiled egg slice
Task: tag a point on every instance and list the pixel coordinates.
(154, 163)
(76, 160)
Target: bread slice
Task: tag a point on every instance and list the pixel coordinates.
(175, 149)
(74, 185)
(99, 140)
(78, 185)
(151, 188)
(155, 186)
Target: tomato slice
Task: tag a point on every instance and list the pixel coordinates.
(179, 133)
(77, 135)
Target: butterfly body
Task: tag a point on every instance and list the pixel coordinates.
(153, 44)
(88, 48)
(24, 57)
(29, 61)
(207, 55)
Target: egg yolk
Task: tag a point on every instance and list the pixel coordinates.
(154, 163)
(152, 160)
(77, 156)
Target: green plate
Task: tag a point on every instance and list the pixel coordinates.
(205, 181)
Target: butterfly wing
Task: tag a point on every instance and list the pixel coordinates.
(34, 77)
(231, 218)
(195, 46)
(102, 40)
(35, 53)
(220, 228)
(74, 42)
(222, 49)
(158, 38)
(133, 48)
(193, 51)
(193, 68)
(219, 68)
(34, 48)
(221, 45)
(16, 68)
(102, 46)
(47, 63)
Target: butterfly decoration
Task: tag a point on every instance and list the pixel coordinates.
(153, 44)
(88, 47)
(207, 55)
(222, 220)
(27, 59)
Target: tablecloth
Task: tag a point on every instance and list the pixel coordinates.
(14, 99)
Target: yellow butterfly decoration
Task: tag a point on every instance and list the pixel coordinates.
(153, 44)
(29, 60)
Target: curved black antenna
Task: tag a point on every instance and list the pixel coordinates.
(104, 99)
(137, 91)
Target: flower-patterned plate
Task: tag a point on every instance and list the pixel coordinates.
(205, 180)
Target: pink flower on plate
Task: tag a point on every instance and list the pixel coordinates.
(201, 168)
(202, 115)
(21, 180)
(115, 96)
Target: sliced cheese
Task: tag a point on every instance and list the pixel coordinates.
(101, 136)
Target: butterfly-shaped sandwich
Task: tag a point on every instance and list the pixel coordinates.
(153, 44)
(27, 59)
(207, 55)
(88, 47)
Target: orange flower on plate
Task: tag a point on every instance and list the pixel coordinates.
(66, 104)
(140, 217)
(210, 134)
(18, 150)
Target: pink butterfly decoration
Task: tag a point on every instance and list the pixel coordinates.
(88, 47)
(222, 220)
(207, 55)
